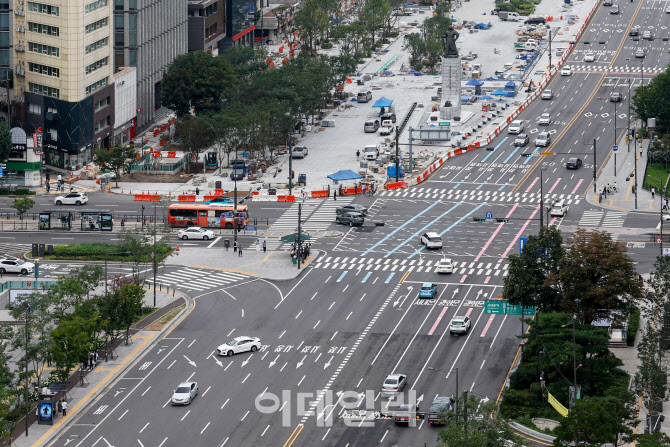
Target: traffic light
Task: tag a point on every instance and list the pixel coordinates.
(502, 220)
(292, 174)
(479, 219)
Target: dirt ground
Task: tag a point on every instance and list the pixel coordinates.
(140, 177)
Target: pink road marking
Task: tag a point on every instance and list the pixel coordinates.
(488, 325)
(555, 184)
(500, 225)
(486, 281)
(444, 311)
(463, 278)
(577, 186)
(552, 221)
(518, 235)
(532, 184)
(467, 314)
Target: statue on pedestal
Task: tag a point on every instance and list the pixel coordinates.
(449, 42)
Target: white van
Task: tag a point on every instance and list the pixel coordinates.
(559, 209)
(515, 127)
(370, 152)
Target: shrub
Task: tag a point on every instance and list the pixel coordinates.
(17, 192)
(633, 325)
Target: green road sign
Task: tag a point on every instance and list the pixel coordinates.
(445, 124)
(502, 307)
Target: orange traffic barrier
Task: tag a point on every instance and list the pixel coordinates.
(209, 197)
(323, 193)
(186, 198)
(255, 193)
(218, 192)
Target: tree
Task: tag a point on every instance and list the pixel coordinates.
(597, 276)
(195, 134)
(656, 439)
(9, 395)
(473, 426)
(5, 141)
(594, 421)
(313, 19)
(372, 15)
(228, 133)
(75, 338)
(531, 276)
(650, 101)
(117, 159)
(123, 306)
(22, 205)
(196, 80)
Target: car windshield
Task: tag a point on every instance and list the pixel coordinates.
(445, 262)
(182, 390)
(391, 381)
(457, 323)
(426, 287)
(572, 160)
(231, 342)
(370, 149)
(434, 238)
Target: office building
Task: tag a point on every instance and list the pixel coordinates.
(206, 25)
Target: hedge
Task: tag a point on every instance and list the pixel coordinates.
(16, 192)
(95, 251)
(633, 325)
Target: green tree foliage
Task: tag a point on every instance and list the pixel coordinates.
(195, 133)
(5, 141)
(23, 204)
(117, 159)
(122, 305)
(594, 421)
(313, 18)
(74, 339)
(427, 47)
(656, 439)
(196, 80)
(532, 273)
(372, 16)
(9, 390)
(651, 101)
(472, 426)
(596, 276)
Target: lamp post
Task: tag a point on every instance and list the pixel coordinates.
(107, 303)
(430, 368)
(574, 356)
(26, 366)
(542, 199)
(615, 141)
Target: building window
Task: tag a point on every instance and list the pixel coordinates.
(44, 69)
(43, 49)
(96, 25)
(42, 8)
(118, 5)
(104, 102)
(119, 39)
(132, 5)
(118, 21)
(132, 21)
(97, 45)
(96, 65)
(44, 90)
(4, 38)
(211, 31)
(4, 20)
(132, 38)
(4, 4)
(95, 6)
(106, 122)
(35, 108)
(43, 29)
(4, 58)
(53, 133)
(96, 86)
(211, 9)
(132, 58)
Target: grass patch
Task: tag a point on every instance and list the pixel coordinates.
(165, 319)
(656, 177)
(146, 311)
(95, 251)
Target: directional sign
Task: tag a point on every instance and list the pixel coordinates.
(445, 124)
(489, 215)
(501, 307)
(615, 148)
(522, 241)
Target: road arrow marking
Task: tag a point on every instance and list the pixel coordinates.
(272, 363)
(329, 361)
(301, 362)
(190, 361)
(246, 361)
(418, 401)
(404, 297)
(218, 362)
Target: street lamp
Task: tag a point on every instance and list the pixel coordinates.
(449, 371)
(574, 356)
(542, 199)
(107, 302)
(615, 141)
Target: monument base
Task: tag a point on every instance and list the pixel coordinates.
(450, 103)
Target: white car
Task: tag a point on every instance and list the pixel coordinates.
(185, 393)
(445, 266)
(196, 233)
(547, 94)
(15, 265)
(667, 9)
(386, 130)
(515, 127)
(239, 344)
(590, 57)
(73, 198)
(640, 53)
(460, 325)
(394, 383)
(431, 240)
(666, 217)
(566, 71)
(545, 119)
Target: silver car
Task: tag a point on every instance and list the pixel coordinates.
(394, 383)
(460, 325)
(185, 393)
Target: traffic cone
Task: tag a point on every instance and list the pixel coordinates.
(177, 249)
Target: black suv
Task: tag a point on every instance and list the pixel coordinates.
(536, 21)
(440, 405)
(388, 116)
(574, 163)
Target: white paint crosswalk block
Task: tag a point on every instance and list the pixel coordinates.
(199, 279)
(479, 196)
(397, 265)
(614, 219)
(591, 218)
(12, 249)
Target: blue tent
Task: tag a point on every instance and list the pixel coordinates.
(387, 72)
(345, 174)
(383, 102)
(486, 97)
(499, 92)
(475, 82)
(510, 85)
(466, 98)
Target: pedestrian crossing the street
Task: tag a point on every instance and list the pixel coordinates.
(479, 195)
(412, 265)
(617, 69)
(75, 188)
(199, 279)
(611, 219)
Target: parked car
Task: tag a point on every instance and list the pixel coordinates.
(445, 265)
(427, 290)
(460, 325)
(196, 233)
(545, 119)
(394, 383)
(536, 21)
(388, 116)
(371, 126)
(521, 140)
(351, 219)
(387, 130)
(185, 393)
(364, 96)
(15, 265)
(351, 208)
(547, 94)
(615, 97)
(73, 198)
(239, 344)
(574, 163)
(431, 240)
(299, 152)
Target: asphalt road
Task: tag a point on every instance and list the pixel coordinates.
(354, 316)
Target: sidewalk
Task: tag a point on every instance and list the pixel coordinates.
(105, 373)
(624, 200)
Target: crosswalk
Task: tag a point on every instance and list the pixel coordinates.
(412, 265)
(199, 279)
(617, 69)
(479, 195)
(76, 188)
(613, 219)
(12, 249)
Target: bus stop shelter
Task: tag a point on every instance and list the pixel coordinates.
(64, 219)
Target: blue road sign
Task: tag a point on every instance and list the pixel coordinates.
(252, 227)
(228, 215)
(615, 148)
(489, 215)
(522, 241)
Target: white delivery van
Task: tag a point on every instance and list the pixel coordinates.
(370, 152)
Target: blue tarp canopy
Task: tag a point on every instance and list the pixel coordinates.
(345, 174)
(510, 84)
(499, 92)
(466, 98)
(476, 82)
(486, 97)
(383, 102)
(387, 72)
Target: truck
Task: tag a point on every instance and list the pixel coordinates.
(529, 45)
(371, 152)
(440, 406)
(509, 16)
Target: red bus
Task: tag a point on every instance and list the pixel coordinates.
(201, 215)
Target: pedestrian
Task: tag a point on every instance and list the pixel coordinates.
(60, 179)
(653, 191)
(62, 188)
(58, 184)
(123, 222)
(239, 251)
(64, 408)
(59, 408)
(358, 154)
(258, 245)
(47, 176)
(335, 195)
(265, 246)
(600, 197)
(48, 187)
(234, 246)
(197, 191)
(95, 358)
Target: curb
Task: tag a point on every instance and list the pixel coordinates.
(532, 433)
(82, 410)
